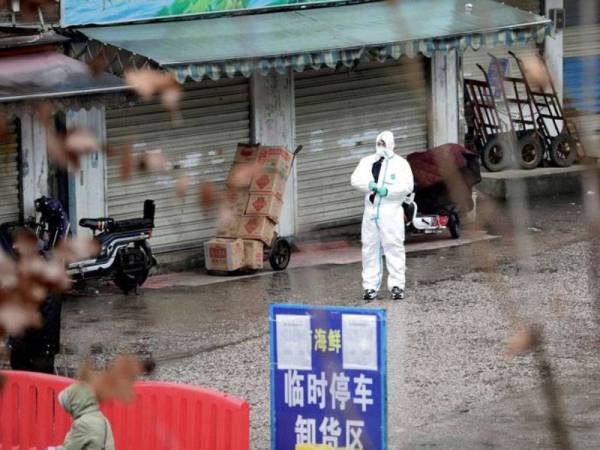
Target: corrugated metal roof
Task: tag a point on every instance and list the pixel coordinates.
(19, 40)
(190, 47)
(48, 75)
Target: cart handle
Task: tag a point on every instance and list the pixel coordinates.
(479, 66)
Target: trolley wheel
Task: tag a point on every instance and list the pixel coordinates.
(563, 150)
(281, 253)
(494, 155)
(530, 151)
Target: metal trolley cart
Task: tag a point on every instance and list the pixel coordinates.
(488, 134)
(558, 136)
(279, 252)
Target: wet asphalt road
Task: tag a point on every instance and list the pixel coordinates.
(450, 384)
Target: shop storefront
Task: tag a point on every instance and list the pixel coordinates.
(252, 78)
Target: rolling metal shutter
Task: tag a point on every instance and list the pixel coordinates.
(338, 116)
(471, 58)
(216, 116)
(581, 41)
(9, 175)
(581, 65)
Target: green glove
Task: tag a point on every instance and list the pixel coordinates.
(372, 186)
(382, 191)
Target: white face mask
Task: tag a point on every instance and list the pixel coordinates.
(382, 150)
(384, 145)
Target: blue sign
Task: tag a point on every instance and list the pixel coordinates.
(328, 377)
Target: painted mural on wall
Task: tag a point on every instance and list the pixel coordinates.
(84, 12)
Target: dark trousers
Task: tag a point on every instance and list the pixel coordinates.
(23, 361)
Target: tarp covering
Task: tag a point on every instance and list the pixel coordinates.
(444, 176)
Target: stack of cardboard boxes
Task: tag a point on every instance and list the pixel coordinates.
(256, 185)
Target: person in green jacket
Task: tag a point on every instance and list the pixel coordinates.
(91, 429)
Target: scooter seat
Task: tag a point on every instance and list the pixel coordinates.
(133, 224)
(99, 223)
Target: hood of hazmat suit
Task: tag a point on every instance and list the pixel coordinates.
(90, 429)
(384, 144)
(386, 180)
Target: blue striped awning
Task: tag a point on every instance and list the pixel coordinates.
(321, 37)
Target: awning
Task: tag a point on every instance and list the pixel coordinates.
(48, 75)
(313, 38)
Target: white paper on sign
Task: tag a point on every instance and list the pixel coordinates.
(294, 342)
(359, 342)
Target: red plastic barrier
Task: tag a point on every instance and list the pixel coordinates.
(163, 416)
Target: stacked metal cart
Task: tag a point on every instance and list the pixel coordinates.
(517, 122)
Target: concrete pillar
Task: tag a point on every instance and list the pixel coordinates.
(553, 49)
(34, 162)
(446, 94)
(273, 120)
(87, 187)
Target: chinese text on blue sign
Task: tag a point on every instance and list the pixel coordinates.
(328, 377)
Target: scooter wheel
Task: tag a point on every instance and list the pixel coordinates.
(126, 282)
(281, 253)
(132, 270)
(454, 225)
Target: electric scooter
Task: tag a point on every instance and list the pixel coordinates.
(125, 254)
(416, 223)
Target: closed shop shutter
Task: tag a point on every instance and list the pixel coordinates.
(338, 116)
(581, 41)
(9, 175)
(581, 66)
(216, 116)
(482, 57)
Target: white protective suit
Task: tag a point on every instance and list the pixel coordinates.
(383, 220)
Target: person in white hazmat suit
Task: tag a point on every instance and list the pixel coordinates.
(386, 180)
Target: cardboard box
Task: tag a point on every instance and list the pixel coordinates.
(265, 182)
(257, 228)
(265, 205)
(246, 153)
(253, 254)
(229, 226)
(237, 201)
(275, 159)
(224, 254)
